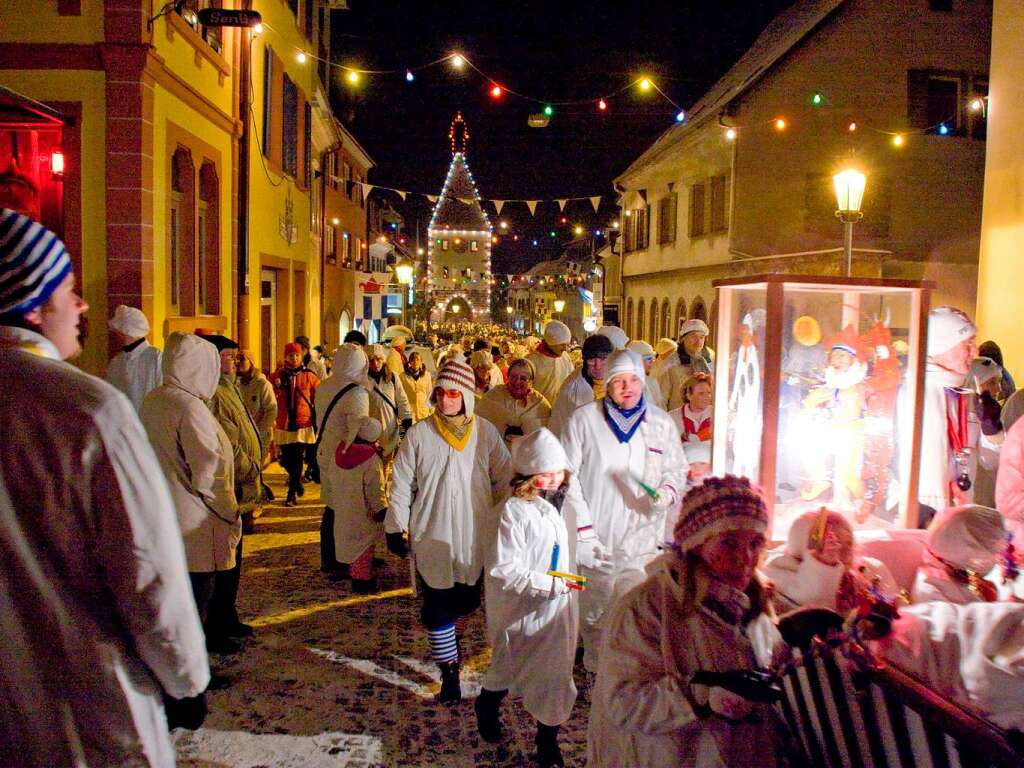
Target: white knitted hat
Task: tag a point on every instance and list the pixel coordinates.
(718, 505)
(693, 325)
(947, 327)
(621, 362)
(665, 345)
(377, 350)
(481, 357)
(616, 335)
(557, 332)
(642, 348)
(537, 452)
(130, 321)
(455, 374)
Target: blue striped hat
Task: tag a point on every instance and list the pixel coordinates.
(33, 262)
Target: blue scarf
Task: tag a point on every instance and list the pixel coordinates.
(624, 422)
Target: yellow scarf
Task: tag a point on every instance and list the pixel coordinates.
(456, 430)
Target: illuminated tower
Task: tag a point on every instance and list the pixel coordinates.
(459, 247)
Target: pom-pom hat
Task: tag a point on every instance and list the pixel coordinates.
(718, 505)
(456, 375)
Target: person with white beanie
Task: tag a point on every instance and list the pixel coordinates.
(98, 614)
(652, 390)
(615, 335)
(388, 402)
(629, 469)
(362, 502)
(551, 362)
(584, 387)
(449, 473)
(135, 370)
(532, 615)
(692, 356)
(481, 362)
(952, 413)
(963, 545)
(342, 404)
(702, 608)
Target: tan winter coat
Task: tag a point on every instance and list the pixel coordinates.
(194, 452)
(418, 392)
(261, 403)
(504, 411)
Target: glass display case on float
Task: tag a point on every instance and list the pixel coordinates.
(818, 386)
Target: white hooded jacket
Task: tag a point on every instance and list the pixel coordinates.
(97, 608)
(550, 373)
(194, 452)
(576, 391)
(344, 420)
(445, 498)
(136, 372)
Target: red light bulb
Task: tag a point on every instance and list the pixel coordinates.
(602, 105)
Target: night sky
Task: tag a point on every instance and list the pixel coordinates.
(558, 50)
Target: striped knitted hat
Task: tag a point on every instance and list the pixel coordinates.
(455, 374)
(33, 262)
(718, 505)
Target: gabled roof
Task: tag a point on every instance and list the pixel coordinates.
(781, 36)
(458, 206)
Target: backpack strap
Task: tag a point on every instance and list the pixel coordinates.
(327, 413)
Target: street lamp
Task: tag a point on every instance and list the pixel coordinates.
(403, 271)
(849, 186)
(559, 305)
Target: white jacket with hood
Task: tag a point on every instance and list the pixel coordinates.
(344, 420)
(97, 609)
(194, 452)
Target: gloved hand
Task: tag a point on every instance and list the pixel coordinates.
(396, 543)
(728, 705)
(378, 517)
(989, 412)
(591, 553)
(186, 713)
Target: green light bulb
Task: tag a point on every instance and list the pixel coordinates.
(548, 110)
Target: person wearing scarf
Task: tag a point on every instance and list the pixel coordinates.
(516, 408)
(449, 473)
(482, 363)
(631, 469)
(551, 362)
(701, 607)
(416, 381)
(692, 356)
(295, 386)
(584, 387)
(136, 369)
(388, 403)
(963, 545)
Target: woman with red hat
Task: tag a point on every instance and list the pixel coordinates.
(295, 386)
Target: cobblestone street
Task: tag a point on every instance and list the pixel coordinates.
(336, 679)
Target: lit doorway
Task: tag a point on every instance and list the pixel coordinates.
(268, 319)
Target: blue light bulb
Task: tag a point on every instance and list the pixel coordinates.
(943, 130)
(409, 76)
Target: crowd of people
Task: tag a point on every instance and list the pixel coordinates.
(566, 487)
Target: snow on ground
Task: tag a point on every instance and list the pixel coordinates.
(335, 679)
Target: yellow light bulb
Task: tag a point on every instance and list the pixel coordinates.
(780, 124)
(852, 127)
(301, 57)
(352, 76)
(258, 29)
(897, 140)
(645, 84)
(730, 134)
(457, 61)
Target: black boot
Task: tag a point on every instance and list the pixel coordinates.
(488, 715)
(451, 687)
(548, 753)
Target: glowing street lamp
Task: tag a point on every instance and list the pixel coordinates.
(849, 186)
(559, 305)
(403, 271)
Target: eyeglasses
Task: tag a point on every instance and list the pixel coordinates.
(451, 392)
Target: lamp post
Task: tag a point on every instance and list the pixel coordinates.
(559, 306)
(849, 186)
(509, 310)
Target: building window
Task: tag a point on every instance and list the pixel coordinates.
(643, 227)
(653, 330)
(680, 315)
(719, 204)
(666, 319)
(210, 34)
(331, 244)
(474, 246)
(359, 192)
(444, 245)
(268, 99)
(332, 169)
(696, 224)
(977, 120)
(201, 257)
(182, 240)
(174, 248)
(699, 310)
(208, 267)
(309, 19)
(346, 174)
(938, 102)
(629, 317)
(289, 127)
(667, 218)
(293, 6)
(640, 308)
(307, 144)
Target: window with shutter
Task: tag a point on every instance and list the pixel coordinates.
(719, 204)
(289, 127)
(307, 144)
(268, 99)
(696, 223)
(667, 218)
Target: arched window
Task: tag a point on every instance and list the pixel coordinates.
(627, 321)
(680, 316)
(652, 332)
(639, 330)
(181, 233)
(713, 322)
(666, 319)
(698, 311)
(208, 267)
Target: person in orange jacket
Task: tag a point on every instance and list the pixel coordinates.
(295, 387)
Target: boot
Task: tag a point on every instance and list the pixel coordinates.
(451, 686)
(290, 500)
(488, 715)
(548, 753)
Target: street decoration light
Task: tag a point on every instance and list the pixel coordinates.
(559, 305)
(849, 186)
(403, 271)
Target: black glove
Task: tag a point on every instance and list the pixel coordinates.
(406, 423)
(185, 713)
(989, 412)
(396, 543)
(751, 685)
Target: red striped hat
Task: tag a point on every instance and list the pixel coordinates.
(718, 505)
(456, 375)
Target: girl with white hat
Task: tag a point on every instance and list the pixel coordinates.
(532, 614)
(702, 608)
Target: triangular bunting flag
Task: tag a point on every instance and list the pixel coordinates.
(466, 200)
(401, 193)
(562, 202)
(367, 189)
(498, 204)
(432, 198)
(532, 205)
(596, 202)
